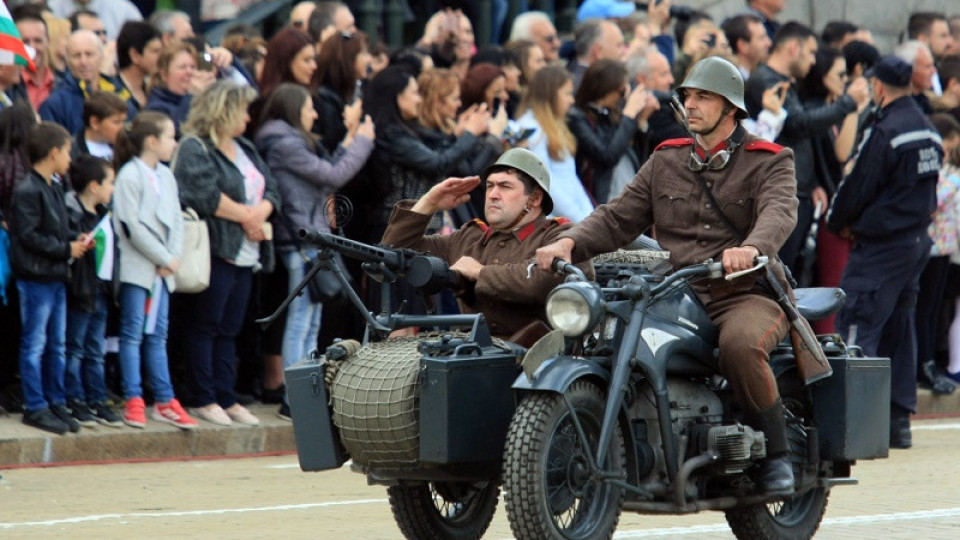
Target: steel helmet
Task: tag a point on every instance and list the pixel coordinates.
(528, 163)
(714, 74)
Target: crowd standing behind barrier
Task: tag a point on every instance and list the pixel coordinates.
(375, 131)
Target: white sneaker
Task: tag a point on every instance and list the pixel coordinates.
(239, 414)
(212, 413)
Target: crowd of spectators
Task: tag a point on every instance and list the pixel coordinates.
(265, 135)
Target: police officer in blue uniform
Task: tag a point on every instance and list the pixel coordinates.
(884, 204)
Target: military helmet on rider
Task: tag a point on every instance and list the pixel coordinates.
(714, 74)
(527, 163)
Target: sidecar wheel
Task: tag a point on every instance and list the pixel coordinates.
(444, 510)
(549, 490)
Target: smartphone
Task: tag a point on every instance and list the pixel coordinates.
(496, 105)
(204, 59)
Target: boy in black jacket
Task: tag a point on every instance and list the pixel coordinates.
(89, 292)
(42, 248)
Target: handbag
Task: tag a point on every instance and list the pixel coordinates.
(193, 275)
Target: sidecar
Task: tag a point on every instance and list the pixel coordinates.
(425, 416)
(433, 407)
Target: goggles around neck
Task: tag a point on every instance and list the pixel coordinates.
(720, 159)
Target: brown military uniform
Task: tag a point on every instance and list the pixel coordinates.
(757, 191)
(503, 293)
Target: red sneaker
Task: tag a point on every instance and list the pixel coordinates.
(173, 413)
(134, 412)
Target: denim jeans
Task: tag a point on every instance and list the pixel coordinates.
(43, 311)
(303, 316)
(210, 341)
(84, 378)
(133, 301)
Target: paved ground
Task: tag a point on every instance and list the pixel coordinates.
(913, 495)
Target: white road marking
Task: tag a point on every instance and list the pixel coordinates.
(102, 517)
(934, 427)
(851, 520)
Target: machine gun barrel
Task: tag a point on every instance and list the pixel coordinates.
(355, 250)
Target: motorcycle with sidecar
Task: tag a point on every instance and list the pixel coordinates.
(620, 407)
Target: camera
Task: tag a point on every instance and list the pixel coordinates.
(513, 137)
(680, 13)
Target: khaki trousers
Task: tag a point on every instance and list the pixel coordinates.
(751, 325)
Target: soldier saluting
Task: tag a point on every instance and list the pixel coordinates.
(492, 257)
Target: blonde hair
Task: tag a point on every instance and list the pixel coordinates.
(58, 30)
(435, 85)
(216, 109)
(541, 99)
(169, 53)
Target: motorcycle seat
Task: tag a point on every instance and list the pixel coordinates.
(816, 303)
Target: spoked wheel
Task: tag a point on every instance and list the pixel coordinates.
(795, 517)
(550, 489)
(444, 510)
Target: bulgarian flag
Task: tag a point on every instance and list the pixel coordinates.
(12, 49)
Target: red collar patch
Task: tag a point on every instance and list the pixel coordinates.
(526, 231)
(767, 146)
(479, 223)
(674, 143)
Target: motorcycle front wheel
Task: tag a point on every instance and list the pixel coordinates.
(550, 491)
(444, 510)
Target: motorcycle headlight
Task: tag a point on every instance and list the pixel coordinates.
(574, 308)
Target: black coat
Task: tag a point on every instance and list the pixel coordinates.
(329, 125)
(802, 124)
(601, 143)
(40, 232)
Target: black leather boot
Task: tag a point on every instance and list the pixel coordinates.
(775, 474)
(900, 436)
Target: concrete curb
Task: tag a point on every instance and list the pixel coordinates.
(22, 445)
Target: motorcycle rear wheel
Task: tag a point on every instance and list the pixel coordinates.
(796, 517)
(549, 491)
(444, 510)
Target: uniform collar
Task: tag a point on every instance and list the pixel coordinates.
(521, 233)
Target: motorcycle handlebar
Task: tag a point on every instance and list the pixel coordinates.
(561, 266)
(711, 269)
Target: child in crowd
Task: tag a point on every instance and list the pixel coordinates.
(149, 229)
(104, 114)
(42, 248)
(90, 292)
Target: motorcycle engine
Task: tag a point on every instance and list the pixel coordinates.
(737, 445)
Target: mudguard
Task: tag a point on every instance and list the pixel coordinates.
(557, 373)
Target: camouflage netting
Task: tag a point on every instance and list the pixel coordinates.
(376, 405)
(608, 265)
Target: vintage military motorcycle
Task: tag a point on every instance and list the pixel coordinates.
(621, 407)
